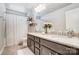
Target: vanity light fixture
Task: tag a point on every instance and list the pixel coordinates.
(40, 8)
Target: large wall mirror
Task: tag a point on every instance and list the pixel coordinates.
(72, 20)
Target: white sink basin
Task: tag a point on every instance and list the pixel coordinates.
(55, 36)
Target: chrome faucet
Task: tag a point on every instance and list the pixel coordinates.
(70, 33)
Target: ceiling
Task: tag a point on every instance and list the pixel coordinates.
(28, 7)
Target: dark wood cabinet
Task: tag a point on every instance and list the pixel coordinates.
(30, 42)
(32, 45)
(59, 48)
(40, 46)
(37, 51)
(47, 51)
(37, 45)
(37, 39)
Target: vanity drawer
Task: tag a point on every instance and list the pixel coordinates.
(73, 51)
(58, 47)
(30, 36)
(37, 51)
(47, 51)
(37, 39)
(37, 45)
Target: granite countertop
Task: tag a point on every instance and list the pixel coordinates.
(72, 42)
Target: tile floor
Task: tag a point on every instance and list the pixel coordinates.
(17, 50)
(25, 51)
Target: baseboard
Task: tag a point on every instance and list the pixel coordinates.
(2, 49)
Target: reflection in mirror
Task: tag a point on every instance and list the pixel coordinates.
(72, 20)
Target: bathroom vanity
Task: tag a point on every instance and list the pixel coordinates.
(46, 44)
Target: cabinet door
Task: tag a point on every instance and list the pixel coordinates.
(32, 45)
(28, 42)
(47, 51)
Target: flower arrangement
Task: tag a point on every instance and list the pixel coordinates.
(31, 21)
(46, 27)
